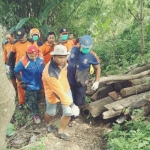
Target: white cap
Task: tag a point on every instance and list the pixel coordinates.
(60, 50)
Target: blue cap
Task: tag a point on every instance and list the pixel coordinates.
(86, 41)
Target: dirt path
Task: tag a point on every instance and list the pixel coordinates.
(85, 135)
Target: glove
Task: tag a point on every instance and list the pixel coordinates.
(7, 69)
(23, 85)
(95, 85)
(75, 110)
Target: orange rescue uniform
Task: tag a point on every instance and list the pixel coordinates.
(46, 49)
(7, 48)
(56, 83)
(20, 50)
(69, 44)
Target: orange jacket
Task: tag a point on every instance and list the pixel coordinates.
(7, 48)
(56, 83)
(20, 49)
(46, 49)
(69, 44)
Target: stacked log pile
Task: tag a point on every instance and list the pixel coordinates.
(118, 93)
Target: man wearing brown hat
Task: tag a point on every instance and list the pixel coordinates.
(57, 89)
(19, 50)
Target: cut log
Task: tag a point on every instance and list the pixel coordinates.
(96, 108)
(126, 84)
(135, 90)
(101, 93)
(90, 92)
(117, 86)
(111, 113)
(139, 69)
(114, 95)
(126, 102)
(111, 82)
(129, 68)
(145, 103)
(124, 77)
(121, 119)
(140, 81)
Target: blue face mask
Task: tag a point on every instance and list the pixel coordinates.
(35, 37)
(85, 50)
(64, 37)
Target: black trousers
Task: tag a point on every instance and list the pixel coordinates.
(78, 94)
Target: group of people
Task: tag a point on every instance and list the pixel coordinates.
(32, 65)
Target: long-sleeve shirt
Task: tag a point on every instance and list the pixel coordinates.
(31, 72)
(19, 50)
(7, 48)
(46, 49)
(56, 83)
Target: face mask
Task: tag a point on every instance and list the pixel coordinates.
(64, 37)
(85, 50)
(35, 37)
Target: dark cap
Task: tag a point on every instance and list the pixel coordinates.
(63, 30)
(20, 33)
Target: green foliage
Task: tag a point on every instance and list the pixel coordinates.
(23, 117)
(121, 51)
(87, 99)
(129, 136)
(10, 130)
(39, 146)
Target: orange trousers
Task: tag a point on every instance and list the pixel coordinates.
(20, 93)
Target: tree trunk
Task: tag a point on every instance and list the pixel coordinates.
(140, 81)
(97, 107)
(111, 113)
(144, 103)
(141, 28)
(114, 95)
(101, 93)
(135, 90)
(7, 100)
(139, 69)
(126, 102)
(124, 77)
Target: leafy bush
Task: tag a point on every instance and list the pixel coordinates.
(122, 51)
(133, 135)
(11, 130)
(22, 117)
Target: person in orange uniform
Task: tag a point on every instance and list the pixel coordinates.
(64, 39)
(7, 48)
(35, 35)
(19, 50)
(72, 37)
(57, 89)
(48, 47)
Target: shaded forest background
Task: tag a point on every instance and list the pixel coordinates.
(120, 28)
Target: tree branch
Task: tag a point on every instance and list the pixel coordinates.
(73, 11)
(134, 15)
